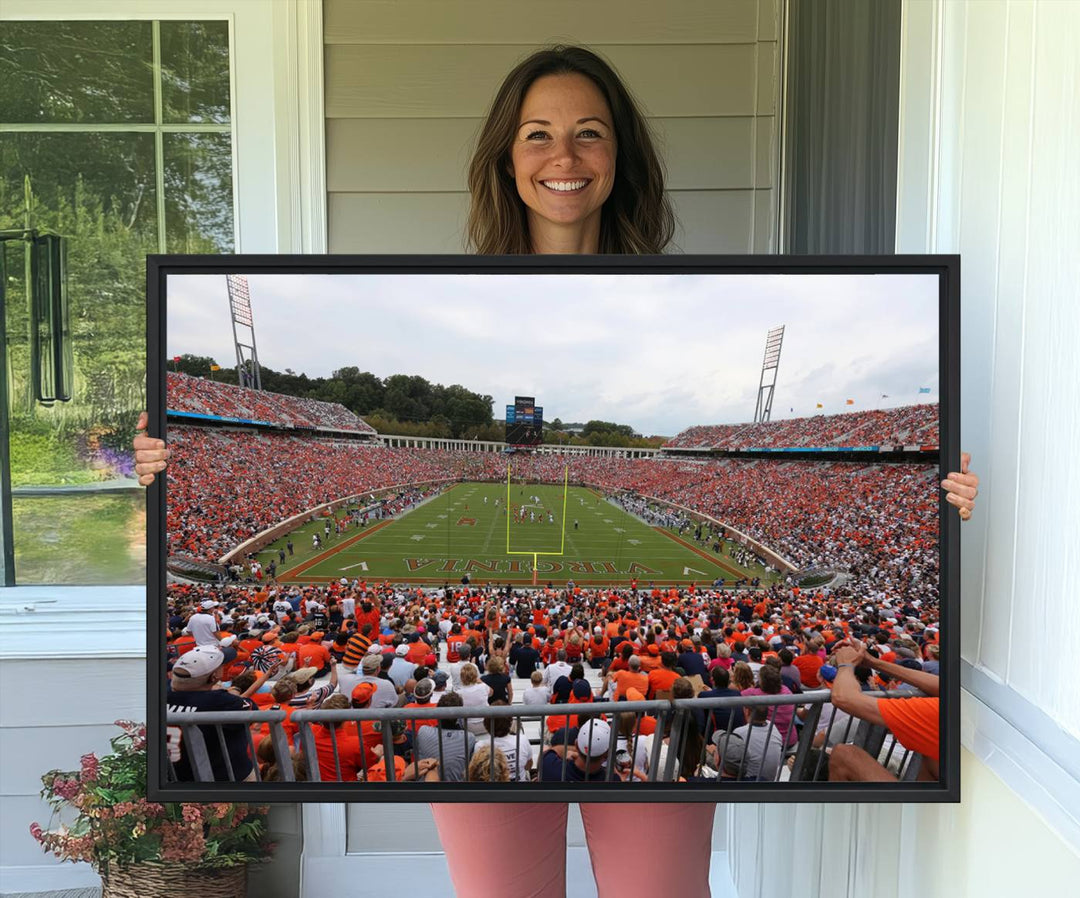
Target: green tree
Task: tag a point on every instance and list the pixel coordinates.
(195, 365)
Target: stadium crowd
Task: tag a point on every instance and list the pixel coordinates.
(225, 486)
(877, 522)
(354, 644)
(909, 425)
(185, 393)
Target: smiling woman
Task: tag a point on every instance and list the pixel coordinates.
(565, 163)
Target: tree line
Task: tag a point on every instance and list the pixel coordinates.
(409, 404)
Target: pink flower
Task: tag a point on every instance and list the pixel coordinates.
(89, 767)
(181, 842)
(192, 813)
(37, 832)
(65, 788)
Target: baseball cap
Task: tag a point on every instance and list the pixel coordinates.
(828, 672)
(732, 749)
(371, 663)
(581, 689)
(402, 649)
(424, 688)
(594, 738)
(363, 692)
(201, 661)
(208, 604)
(430, 660)
(303, 674)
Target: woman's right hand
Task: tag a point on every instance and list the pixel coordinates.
(150, 453)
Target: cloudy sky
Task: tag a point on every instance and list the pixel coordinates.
(658, 352)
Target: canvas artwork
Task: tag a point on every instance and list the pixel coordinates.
(538, 530)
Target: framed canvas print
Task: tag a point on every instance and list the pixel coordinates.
(554, 529)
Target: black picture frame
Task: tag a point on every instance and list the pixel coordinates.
(945, 267)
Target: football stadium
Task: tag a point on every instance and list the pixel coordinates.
(724, 599)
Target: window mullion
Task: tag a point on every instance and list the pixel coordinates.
(159, 137)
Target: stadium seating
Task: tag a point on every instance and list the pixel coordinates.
(207, 397)
(910, 425)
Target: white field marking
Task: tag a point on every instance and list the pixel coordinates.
(619, 530)
(608, 521)
(362, 565)
(634, 542)
(431, 526)
(686, 571)
(417, 537)
(442, 517)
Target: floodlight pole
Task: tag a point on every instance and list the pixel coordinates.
(770, 364)
(243, 324)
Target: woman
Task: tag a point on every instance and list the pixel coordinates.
(565, 164)
(502, 688)
(742, 677)
(474, 694)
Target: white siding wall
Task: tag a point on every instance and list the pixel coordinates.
(989, 149)
(408, 82)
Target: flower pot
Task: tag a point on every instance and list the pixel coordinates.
(173, 881)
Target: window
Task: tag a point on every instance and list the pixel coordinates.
(117, 135)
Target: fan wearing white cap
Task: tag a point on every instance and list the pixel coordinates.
(583, 759)
(203, 624)
(193, 688)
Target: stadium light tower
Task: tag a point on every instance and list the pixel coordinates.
(771, 363)
(243, 326)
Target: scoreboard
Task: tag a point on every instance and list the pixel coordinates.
(524, 422)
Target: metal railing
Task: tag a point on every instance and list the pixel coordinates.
(676, 720)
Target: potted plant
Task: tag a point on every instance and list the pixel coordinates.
(142, 848)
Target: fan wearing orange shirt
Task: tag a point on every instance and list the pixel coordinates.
(915, 722)
(598, 647)
(662, 679)
(650, 661)
(634, 678)
(314, 654)
(422, 692)
(350, 754)
(418, 651)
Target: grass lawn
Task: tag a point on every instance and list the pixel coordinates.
(84, 540)
(462, 531)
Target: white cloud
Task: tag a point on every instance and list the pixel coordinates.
(659, 352)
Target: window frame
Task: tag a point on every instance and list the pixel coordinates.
(277, 129)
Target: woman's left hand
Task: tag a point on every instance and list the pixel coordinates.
(961, 487)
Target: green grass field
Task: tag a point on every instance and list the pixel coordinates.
(459, 533)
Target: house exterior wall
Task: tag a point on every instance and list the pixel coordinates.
(408, 84)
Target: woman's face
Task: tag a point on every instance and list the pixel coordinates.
(563, 154)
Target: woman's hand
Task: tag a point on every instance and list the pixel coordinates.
(961, 487)
(150, 453)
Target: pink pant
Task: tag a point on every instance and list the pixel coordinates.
(520, 849)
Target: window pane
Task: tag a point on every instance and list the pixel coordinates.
(195, 72)
(198, 193)
(81, 539)
(76, 72)
(98, 191)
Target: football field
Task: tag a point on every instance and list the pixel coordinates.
(471, 529)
